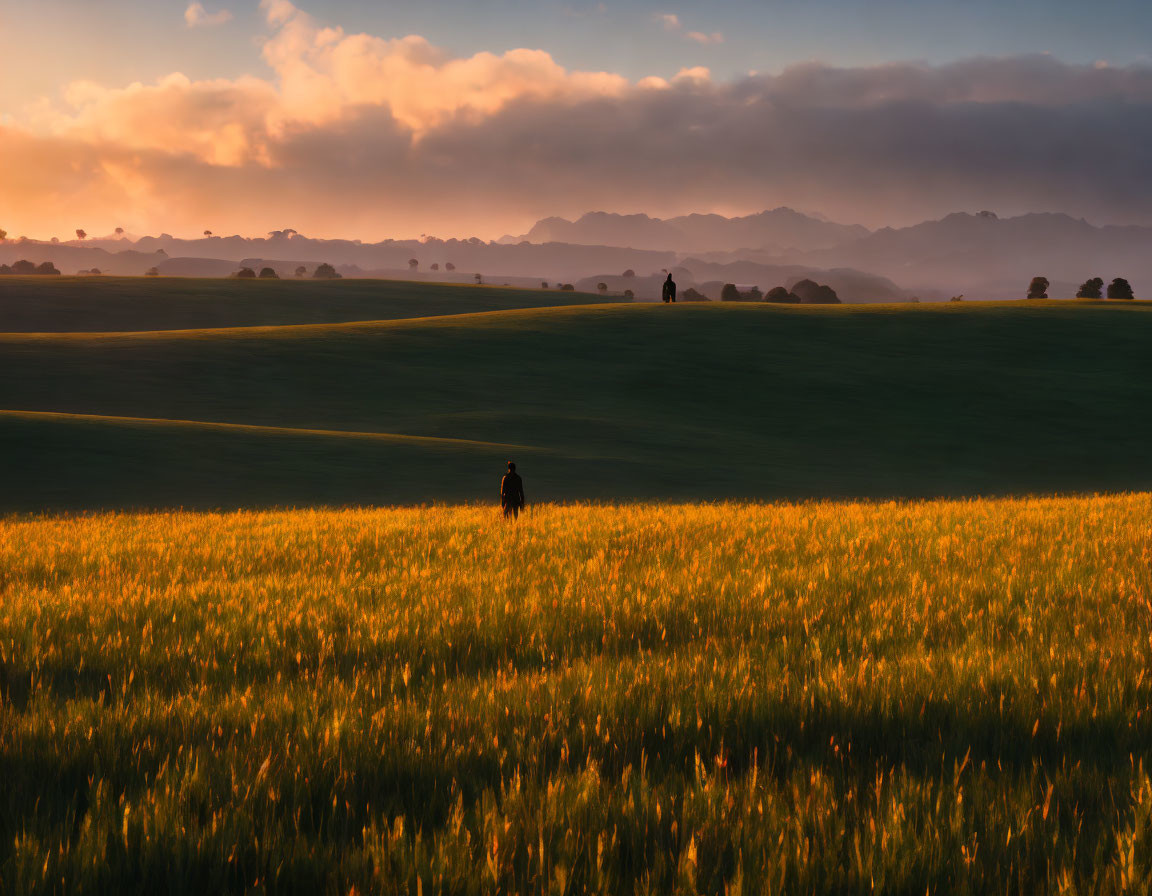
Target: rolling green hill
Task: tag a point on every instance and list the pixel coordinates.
(96, 304)
(604, 402)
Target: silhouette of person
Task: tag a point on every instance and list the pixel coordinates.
(512, 492)
(669, 294)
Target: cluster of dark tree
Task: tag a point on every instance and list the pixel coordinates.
(25, 268)
(414, 265)
(323, 272)
(804, 292)
(1089, 289)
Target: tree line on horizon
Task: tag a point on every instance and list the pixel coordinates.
(1093, 288)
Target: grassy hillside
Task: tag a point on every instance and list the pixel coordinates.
(609, 401)
(944, 698)
(104, 304)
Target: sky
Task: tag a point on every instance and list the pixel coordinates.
(367, 120)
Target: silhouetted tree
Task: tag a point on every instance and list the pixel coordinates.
(81, 235)
(1038, 288)
(413, 264)
(692, 294)
(543, 284)
(479, 279)
(23, 267)
(268, 274)
(207, 233)
(567, 287)
(152, 272)
(301, 271)
(119, 231)
(448, 266)
(1120, 289)
(245, 274)
(3, 235)
(729, 293)
(812, 293)
(629, 273)
(46, 267)
(781, 296)
(325, 271)
(1091, 289)
(628, 294)
(753, 295)
(435, 266)
(603, 287)
(5, 269)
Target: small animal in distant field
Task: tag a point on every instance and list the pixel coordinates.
(512, 492)
(669, 292)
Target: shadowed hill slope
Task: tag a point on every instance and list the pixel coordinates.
(104, 304)
(608, 401)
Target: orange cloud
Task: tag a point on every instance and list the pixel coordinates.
(369, 137)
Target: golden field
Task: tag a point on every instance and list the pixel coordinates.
(940, 697)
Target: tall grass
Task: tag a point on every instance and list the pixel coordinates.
(946, 697)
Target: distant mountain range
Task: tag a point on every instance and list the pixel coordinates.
(979, 255)
(781, 229)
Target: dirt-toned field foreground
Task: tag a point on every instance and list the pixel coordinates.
(904, 698)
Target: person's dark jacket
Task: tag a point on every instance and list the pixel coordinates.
(669, 292)
(512, 490)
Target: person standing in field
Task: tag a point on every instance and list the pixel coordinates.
(512, 492)
(669, 293)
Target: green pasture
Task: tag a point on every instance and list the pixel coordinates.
(692, 402)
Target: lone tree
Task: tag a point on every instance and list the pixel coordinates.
(629, 273)
(628, 294)
(119, 231)
(448, 266)
(567, 287)
(691, 294)
(325, 271)
(80, 234)
(3, 235)
(543, 284)
(1038, 288)
(268, 274)
(603, 287)
(245, 274)
(1120, 289)
(479, 279)
(413, 264)
(729, 293)
(301, 271)
(1091, 289)
(152, 272)
(435, 265)
(207, 233)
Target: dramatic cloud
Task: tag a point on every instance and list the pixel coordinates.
(196, 16)
(364, 136)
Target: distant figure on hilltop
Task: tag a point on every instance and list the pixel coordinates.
(512, 492)
(669, 294)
